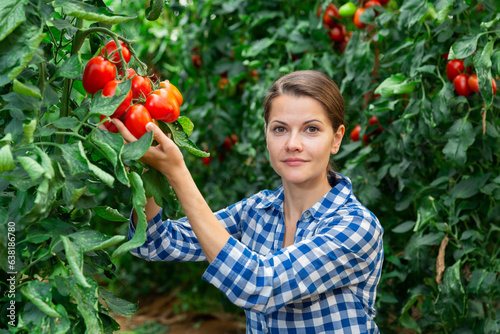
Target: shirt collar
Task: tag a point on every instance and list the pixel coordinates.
(336, 197)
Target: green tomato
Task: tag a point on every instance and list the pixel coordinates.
(347, 10)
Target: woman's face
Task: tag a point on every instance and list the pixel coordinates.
(300, 139)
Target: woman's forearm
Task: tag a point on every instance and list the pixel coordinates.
(151, 209)
(210, 233)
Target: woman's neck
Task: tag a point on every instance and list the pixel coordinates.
(300, 197)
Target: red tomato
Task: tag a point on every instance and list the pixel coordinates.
(227, 144)
(110, 126)
(338, 33)
(473, 83)
(355, 133)
(206, 160)
(357, 15)
(173, 90)
(136, 118)
(461, 85)
(115, 58)
(141, 86)
(98, 72)
(196, 59)
(331, 12)
(162, 107)
(372, 3)
(234, 138)
(373, 120)
(454, 67)
(109, 90)
(223, 82)
(494, 85)
(384, 2)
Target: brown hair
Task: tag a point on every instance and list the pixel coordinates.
(313, 84)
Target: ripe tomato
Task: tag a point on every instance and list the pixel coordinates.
(357, 15)
(234, 138)
(384, 2)
(373, 120)
(338, 33)
(115, 58)
(109, 90)
(223, 82)
(206, 160)
(173, 90)
(331, 13)
(162, 107)
(227, 144)
(454, 67)
(494, 85)
(141, 86)
(473, 83)
(372, 3)
(98, 72)
(196, 59)
(110, 126)
(136, 118)
(355, 133)
(461, 85)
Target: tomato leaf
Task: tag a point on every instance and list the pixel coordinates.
(395, 84)
(464, 47)
(88, 12)
(12, 14)
(109, 214)
(136, 149)
(71, 68)
(443, 7)
(138, 202)
(412, 12)
(39, 293)
(182, 140)
(6, 159)
(482, 64)
(74, 255)
(26, 89)
(257, 47)
(66, 123)
(107, 105)
(33, 168)
(91, 240)
(469, 187)
(118, 305)
(461, 137)
(186, 124)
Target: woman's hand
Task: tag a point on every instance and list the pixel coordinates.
(165, 157)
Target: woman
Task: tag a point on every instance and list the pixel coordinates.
(304, 258)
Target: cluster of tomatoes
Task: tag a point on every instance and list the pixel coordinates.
(465, 83)
(227, 145)
(372, 122)
(142, 104)
(333, 16)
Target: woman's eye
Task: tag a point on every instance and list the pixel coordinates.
(279, 129)
(312, 129)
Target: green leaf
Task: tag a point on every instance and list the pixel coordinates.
(182, 140)
(107, 105)
(156, 186)
(464, 47)
(33, 168)
(12, 14)
(91, 240)
(6, 159)
(88, 12)
(112, 147)
(26, 89)
(77, 164)
(467, 188)
(74, 255)
(136, 149)
(482, 64)
(71, 68)
(39, 293)
(404, 227)
(109, 214)
(461, 137)
(118, 305)
(186, 124)
(395, 84)
(257, 47)
(443, 7)
(66, 123)
(138, 202)
(29, 130)
(17, 50)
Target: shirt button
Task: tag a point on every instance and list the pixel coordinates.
(307, 214)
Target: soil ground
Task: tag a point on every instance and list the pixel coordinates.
(157, 315)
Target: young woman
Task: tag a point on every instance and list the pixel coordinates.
(304, 258)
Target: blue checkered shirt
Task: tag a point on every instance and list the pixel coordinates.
(324, 283)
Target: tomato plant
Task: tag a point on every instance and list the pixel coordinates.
(110, 50)
(109, 90)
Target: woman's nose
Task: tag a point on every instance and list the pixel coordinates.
(294, 142)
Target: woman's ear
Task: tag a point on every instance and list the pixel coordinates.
(337, 139)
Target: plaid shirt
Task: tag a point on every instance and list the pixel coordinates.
(324, 283)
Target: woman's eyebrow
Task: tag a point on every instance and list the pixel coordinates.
(306, 122)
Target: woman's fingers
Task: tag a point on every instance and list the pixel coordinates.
(123, 130)
(158, 135)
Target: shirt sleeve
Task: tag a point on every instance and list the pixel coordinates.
(343, 253)
(174, 240)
